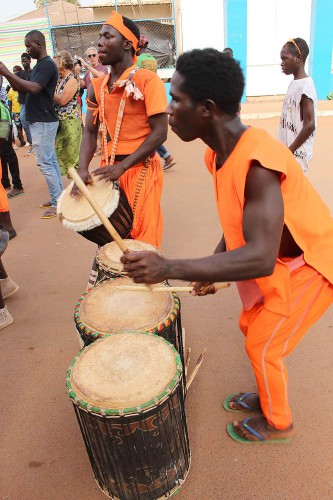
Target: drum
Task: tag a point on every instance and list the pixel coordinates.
(108, 258)
(104, 309)
(127, 396)
(77, 213)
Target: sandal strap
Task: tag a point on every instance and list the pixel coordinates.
(251, 430)
(242, 403)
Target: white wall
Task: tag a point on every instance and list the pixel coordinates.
(270, 24)
(202, 24)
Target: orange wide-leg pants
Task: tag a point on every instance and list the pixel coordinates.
(4, 205)
(144, 196)
(270, 337)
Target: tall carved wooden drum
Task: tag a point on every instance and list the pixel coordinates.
(127, 395)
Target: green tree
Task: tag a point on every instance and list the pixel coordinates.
(40, 3)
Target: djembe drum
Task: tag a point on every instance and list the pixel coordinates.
(127, 394)
(108, 258)
(77, 214)
(104, 309)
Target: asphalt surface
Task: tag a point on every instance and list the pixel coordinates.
(42, 454)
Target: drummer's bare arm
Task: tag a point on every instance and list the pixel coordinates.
(262, 230)
(159, 128)
(88, 144)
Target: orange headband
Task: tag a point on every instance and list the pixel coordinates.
(116, 21)
(295, 45)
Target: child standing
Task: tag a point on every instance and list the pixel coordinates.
(299, 110)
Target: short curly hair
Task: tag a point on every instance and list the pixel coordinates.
(210, 74)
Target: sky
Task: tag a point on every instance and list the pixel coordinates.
(15, 8)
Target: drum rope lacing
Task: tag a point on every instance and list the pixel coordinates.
(129, 88)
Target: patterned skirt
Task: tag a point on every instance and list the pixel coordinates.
(68, 142)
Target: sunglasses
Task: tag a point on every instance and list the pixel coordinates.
(92, 55)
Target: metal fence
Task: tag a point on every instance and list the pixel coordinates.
(155, 21)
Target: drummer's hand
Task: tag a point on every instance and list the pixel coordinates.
(201, 288)
(110, 172)
(87, 179)
(145, 267)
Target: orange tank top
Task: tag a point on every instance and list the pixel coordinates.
(135, 126)
(305, 214)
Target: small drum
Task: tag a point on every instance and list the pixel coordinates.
(108, 258)
(127, 396)
(104, 309)
(77, 214)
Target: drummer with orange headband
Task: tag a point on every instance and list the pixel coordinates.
(129, 106)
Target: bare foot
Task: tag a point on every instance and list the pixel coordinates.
(245, 402)
(262, 427)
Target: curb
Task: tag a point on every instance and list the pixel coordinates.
(258, 116)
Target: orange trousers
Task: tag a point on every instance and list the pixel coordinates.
(145, 193)
(4, 204)
(270, 337)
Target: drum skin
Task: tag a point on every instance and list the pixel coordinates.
(104, 309)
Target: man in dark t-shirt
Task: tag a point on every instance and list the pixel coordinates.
(40, 113)
(25, 74)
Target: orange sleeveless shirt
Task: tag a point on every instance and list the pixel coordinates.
(135, 126)
(305, 214)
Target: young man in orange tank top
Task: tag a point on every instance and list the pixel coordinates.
(277, 242)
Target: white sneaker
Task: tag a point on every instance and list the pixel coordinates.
(5, 317)
(8, 287)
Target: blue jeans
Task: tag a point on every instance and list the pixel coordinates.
(25, 124)
(43, 140)
(163, 152)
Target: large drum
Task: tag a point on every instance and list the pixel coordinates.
(77, 213)
(127, 395)
(108, 257)
(105, 309)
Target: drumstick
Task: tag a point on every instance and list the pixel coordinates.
(195, 370)
(142, 288)
(107, 224)
(188, 358)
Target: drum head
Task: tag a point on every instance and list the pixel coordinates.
(108, 256)
(106, 309)
(127, 372)
(78, 214)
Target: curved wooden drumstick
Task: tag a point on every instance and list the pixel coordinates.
(142, 288)
(90, 199)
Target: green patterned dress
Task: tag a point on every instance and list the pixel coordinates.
(69, 135)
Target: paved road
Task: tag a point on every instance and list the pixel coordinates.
(42, 454)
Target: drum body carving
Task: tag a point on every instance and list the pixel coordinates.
(127, 395)
(108, 257)
(104, 309)
(77, 214)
